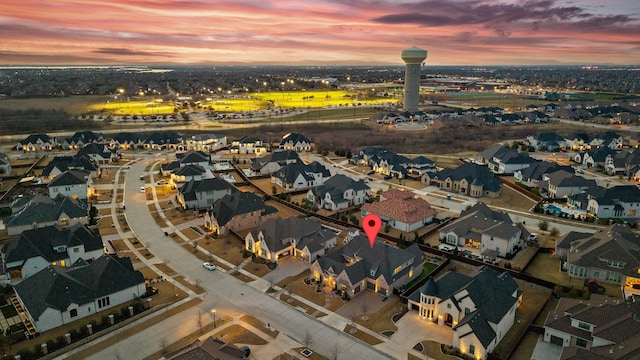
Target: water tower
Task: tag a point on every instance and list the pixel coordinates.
(413, 58)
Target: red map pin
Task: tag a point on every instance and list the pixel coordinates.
(371, 225)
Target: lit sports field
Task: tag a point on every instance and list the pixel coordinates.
(248, 102)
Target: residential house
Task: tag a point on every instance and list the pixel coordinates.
(208, 349)
(249, 145)
(5, 165)
(99, 153)
(469, 179)
(532, 175)
(401, 210)
(483, 157)
(363, 157)
(204, 193)
(615, 164)
(187, 173)
(420, 165)
(339, 192)
(204, 142)
(594, 158)
(563, 244)
(298, 175)
(357, 266)
(390, 164)
(37, 142)
(296, 142)
(609, 256)
(562, 184)
(294, 236)
(485, 232)
(480, 308)
(162, 140)
(508, 161)
(76, 183)
(126, 141)
(80, 139)
(58, 295)
(60, 164)
(193, 157)
(237, 212)
(546, 141)
(599, 328)
(622, 202)
(38, 248)
(578, 141)
(35, 211)
(271, 163)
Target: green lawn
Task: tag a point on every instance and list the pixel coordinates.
(427, 269)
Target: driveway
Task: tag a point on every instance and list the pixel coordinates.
(287, 266)
(372, 301)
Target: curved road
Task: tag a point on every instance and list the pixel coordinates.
(225, 293)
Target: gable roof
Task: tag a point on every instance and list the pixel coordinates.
(360, 261)
(473, 174)
(43, 241)
(480, 219)
(280, 157)
(294, 138)
(85, 137)
(43, 209)
(33, 138)
(338, 184)
(63, 163)
(71, 177)
(58, 287)
(400, 205)
(208, 349)
(278, 232)
(189, 170)
(192, 187)
(289, 172)
(540, 167)
(239, 203)
(192, 157)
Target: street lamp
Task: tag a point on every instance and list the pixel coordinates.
(213, 311)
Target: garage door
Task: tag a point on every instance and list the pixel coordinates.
(356, 289)
(371, 286)
(557, 340)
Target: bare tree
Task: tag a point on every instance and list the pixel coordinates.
(290, 290)
(352, 317)
(307, 340)
(200, 320)
(364, 307)
(163, 345)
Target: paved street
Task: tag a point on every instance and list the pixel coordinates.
(225, 293)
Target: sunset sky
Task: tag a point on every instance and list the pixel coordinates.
(319, 32)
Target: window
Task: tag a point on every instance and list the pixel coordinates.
(73, 312)
(448, 306)
(467, 311)
(76, 250)
(472, 349)
(103, 302)
(581, 342)
(585, 326)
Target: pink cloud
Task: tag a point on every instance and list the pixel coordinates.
(455, 32)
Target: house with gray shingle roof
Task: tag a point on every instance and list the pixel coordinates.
(35, 211)
(611, 256)
(532, 175)
(76, 183)
(357, 267)
(295, 141)
(300, 237)
(208, 349)
(193, 157)
(249, 145)
(162, 140)
(37, 142)
(60, 164)
(298, 175)
(126, 141)
(271, 163)
(485, 232)
(36, 249)
(339, 192)
(82, 138)
(600, 328)
(480, 308)
(469, 179)
(58, 295)
(508, 161)
(562, 184)
(564, 243)
(100, 153)
(204, 142)
(594, 158)
(546, 141)
(237, 212)
(187, 173)
(203, 193)
(621, 202)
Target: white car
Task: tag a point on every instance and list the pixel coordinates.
(533, 237)
(142, 189)
(209, 266)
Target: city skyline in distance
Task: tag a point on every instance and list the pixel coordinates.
(320, 32)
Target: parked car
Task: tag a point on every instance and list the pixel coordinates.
(141, 177)
(142, 189)
(162, 182)
(209, 266)
(247, 351)
(533, 237)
